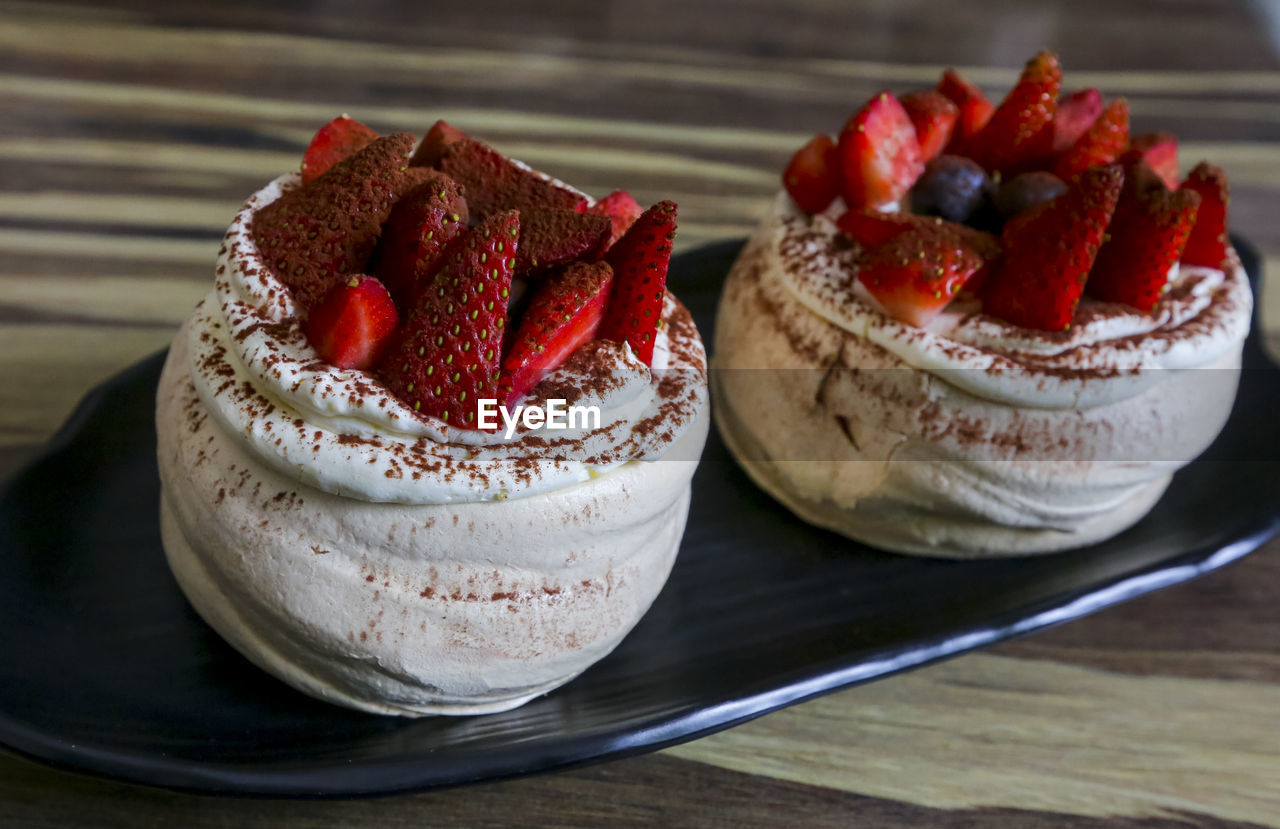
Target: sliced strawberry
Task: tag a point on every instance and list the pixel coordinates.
(446, 357)
(639, 261)
(1021, 128)
(554, 237)
(975, 109)
(565, 312)
(1076, 113)
(316, 236)
(420, 225)
(934, 116)
(871, 228)
(493, 182)
(341, 138)
(1208, 243)
(915, 274)
(434, 143)
(812, 176)
(1144, 240)
(1102, 143)
(1048, 252)
(879, 154)
(622, 211)
(354, 326)
(1160, 151)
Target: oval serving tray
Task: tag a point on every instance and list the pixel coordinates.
(105, 669)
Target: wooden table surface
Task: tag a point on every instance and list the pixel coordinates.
(133, 130)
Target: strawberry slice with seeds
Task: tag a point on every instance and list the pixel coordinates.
(622, 211)
(879, 153)
(871, 228)
(1146, 237)
(812, 177)
(1076, 113)
(565, 312)
(916, 274)
(639, 261)
(1160, 152)
(447, 356)
(1020, 131)
(1049, 251)
(354, 326)
(493, 182)
(316, 236)
(434, 143)
(974, 108)
(1208, 243)
(934, 116)
(1102, 143)
(341, 138)
(553, 237)
(420, 225)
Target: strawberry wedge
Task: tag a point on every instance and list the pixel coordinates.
(1049, 251)
(446, 357)
(879, 154)
(352, 328)
(639, 261)
(341, 138)
(622, 210)
(565, 312)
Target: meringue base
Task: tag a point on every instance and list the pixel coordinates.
(410, 609)
(852, 438)
(901, 527)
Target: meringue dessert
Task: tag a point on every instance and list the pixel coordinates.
(949, 339)
(330, 504)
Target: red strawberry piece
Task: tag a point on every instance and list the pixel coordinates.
(1145, 239)
(975, 109)
(420, 225)
(316, 236)
(565, 312)
(554, 237)
(622, 211)
(446, 357)
(341, 138)
(1021, 128)
(434, 143)
(1102, 143)
(915, 274)
(1048, 252)
(1160, 151)
(871, 228)
(354, 326)
(812, 176)
(1208, 243)
(493, 182)
(639, 261)
(934, 116)
(879, 154)
(1076, 113)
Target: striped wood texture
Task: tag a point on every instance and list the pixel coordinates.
(132, 131)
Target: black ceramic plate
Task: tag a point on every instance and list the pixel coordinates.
(105, 669)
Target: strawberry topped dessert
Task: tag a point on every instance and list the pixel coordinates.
(366, 486)
(968, 327)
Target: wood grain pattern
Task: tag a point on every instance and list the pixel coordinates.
(135, 128)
